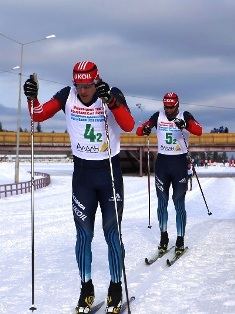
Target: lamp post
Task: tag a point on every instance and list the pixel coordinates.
(19, 97)
(7, 71)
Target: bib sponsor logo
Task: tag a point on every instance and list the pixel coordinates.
(170, 148)
(167, 148)
(88, 149)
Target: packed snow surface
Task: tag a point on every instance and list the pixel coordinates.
(201, 281)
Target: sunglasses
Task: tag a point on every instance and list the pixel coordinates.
(85, 86)
(169, 107)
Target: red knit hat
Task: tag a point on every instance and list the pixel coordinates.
(85, 72)
(170, 99)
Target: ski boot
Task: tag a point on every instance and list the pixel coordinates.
(86, 299)
(114, 298)
(163, 242)
(179, 246)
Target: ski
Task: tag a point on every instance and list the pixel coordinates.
(124, 305)
(176, 257)
(158, 255)
(94, 308)
(97, 307)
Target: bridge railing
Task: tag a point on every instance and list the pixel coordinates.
(62, 139)
(206, 138)
(24, 187)
(40, 138)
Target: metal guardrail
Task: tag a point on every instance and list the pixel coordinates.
(24, 187)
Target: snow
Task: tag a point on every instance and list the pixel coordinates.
(202, 281)
(7, 173)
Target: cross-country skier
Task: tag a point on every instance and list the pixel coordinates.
(171, 163)
(92, 179)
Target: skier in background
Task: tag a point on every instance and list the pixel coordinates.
(171, 163)
(92, 181)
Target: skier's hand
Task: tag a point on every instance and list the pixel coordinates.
(147, 130)
(103, 91)
(30, 89)
(180, 123)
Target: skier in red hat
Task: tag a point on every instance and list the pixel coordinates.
(172, 129)
(92, 183)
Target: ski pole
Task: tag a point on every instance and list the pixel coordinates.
(149, 226)
(194, 170)
(32, 308)
(115, 203)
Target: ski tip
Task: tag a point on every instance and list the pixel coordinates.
(132, 298)
(147, 261)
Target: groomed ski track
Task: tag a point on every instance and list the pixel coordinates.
(201, 281)
(151, 284)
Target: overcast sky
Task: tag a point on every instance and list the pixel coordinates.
(146, 48)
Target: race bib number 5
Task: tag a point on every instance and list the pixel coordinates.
(170, 139)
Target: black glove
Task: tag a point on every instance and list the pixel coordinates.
(147, 130)
(31, 89)
(180, 123)
(103, 91)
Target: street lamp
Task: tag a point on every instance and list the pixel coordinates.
(19, 98)
(7, 71)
